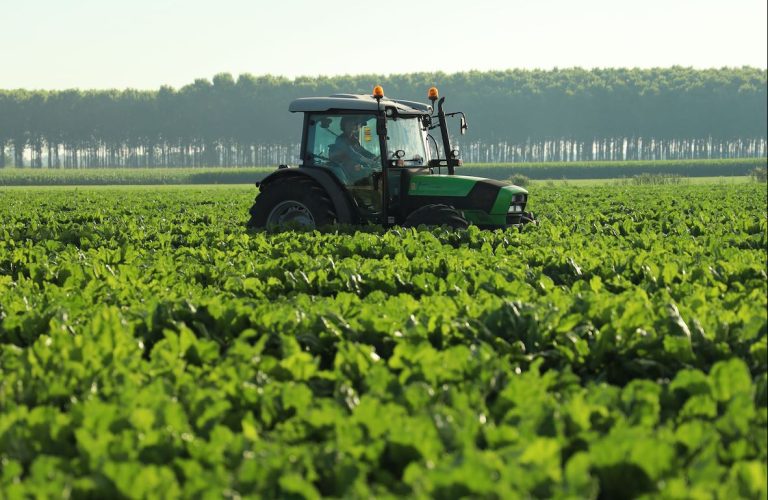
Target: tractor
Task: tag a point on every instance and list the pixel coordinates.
(369, 159)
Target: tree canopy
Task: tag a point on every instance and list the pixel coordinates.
(530, 114)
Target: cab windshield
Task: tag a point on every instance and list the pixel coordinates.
(405, 134)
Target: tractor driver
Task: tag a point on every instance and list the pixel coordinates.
(357, 162)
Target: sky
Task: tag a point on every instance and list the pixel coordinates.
(57, 44)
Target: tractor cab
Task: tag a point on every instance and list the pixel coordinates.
(367, 159)
(341, 135)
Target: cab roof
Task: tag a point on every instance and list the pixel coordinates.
(356, 102)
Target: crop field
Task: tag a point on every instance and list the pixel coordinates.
(150, 346)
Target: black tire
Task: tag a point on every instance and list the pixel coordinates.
(302, 192)
(436, 215)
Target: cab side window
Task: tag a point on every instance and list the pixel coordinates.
(345, 144)
(321, 135)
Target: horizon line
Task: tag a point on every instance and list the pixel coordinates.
(386, 75)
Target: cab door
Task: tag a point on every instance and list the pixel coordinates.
(361, 178)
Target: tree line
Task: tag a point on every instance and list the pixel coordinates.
(514, 115)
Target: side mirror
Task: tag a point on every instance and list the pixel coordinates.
(455, 153)
(463, 125)
(399, 154)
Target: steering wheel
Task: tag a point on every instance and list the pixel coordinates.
(373, 164)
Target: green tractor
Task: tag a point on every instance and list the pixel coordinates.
(368, 159)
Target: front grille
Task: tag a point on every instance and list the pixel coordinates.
(514, 218)
(516, 209)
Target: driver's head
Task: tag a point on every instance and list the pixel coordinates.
(350, 126)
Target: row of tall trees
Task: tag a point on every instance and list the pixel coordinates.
(613, 149)
(514, 115)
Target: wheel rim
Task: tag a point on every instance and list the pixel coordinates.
(291, 212)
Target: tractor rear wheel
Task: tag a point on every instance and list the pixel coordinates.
(292, 202)
(436, 215)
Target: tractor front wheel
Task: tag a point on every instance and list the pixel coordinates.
(436, 215)
(292, 203)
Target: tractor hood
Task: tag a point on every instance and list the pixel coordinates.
(465, 192)
(356, 102)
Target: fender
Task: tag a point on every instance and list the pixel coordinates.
(346, 213)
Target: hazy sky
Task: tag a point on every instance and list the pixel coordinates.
(56, 44)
